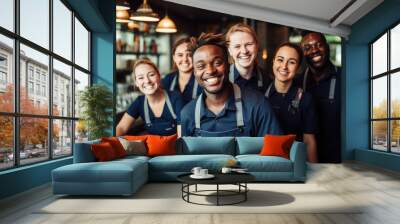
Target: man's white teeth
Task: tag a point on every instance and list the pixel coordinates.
(212, 81)
(317, 58)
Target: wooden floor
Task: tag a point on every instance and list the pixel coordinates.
(378, 189)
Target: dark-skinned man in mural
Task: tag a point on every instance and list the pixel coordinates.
(322, 79)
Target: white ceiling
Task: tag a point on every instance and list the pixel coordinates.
(317, 15)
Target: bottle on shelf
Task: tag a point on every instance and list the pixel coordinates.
(153, 46)
(144, 49)
(136, 43)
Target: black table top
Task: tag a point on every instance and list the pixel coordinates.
(220, 178)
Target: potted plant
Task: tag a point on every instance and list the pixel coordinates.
(96, 104)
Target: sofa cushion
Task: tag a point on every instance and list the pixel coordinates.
(206, 145)
(277, 145)
(103, 151)
(185, 163)
(161, 145)
(134, 147)
(112, 171)
(116, 145)
(249, 145)
(83, 152)
(257, 163)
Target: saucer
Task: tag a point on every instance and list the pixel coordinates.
(208, 176)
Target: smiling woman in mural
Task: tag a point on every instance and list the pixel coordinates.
(157, 107)
(294, 108)
(223, 109)
(182, 80)
(243, 49)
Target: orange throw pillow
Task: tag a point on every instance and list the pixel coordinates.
(103, 151)
(161, 145)
(135, 137)
(277, 145)
(116, 145)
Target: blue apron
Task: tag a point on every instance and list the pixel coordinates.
(332, 85)
(238, 131)
(293, 107)
(232, 76)
(164, 128)
(194, 90)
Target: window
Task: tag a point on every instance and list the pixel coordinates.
(44, 91)
(3, 78)
(385, 95)
(30, 87)
(30, 73)
(38, 89)
(3, 72)
(44, 77)
(7, 14)
(46, 129)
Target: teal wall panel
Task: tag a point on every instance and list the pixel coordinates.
(24, 178)
(356, 115)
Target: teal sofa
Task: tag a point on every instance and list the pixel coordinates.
(125, 176)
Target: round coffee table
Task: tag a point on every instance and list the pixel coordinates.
(238, 179)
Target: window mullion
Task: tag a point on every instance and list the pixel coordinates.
(389, 106)
(50, 81)
(73, 81)
(16, 84)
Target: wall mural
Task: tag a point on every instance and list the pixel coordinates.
(239, 78)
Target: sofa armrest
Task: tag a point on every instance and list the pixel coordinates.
(83, 152)
(298, 155)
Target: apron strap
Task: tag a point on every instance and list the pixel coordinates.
(297, 99)
(146, 111)
(169, 105)
(195, 87)
(260, 78)
(173, 83)
(268, 90)
(197, 111)
(146, 108)
(239, 106)
(332, 88)
(232, 73)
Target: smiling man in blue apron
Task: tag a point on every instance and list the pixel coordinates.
(322, 79)
(223, 109)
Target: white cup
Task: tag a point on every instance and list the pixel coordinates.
(226, 170)
(196, 171)
(203, 172)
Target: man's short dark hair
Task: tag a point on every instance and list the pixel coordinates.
(210, 39)
(306, 32)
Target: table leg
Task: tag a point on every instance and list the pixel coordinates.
(245, 191)
(217, 194)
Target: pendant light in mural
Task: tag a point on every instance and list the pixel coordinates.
(166, 25)
(132, 25)
(145, 14)
(122, 16)
(122, 5)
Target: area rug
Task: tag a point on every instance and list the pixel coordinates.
(167, 198)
